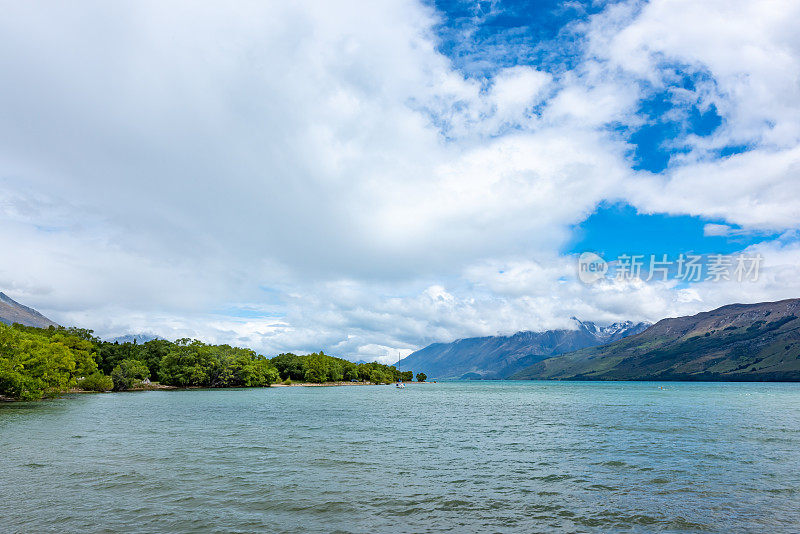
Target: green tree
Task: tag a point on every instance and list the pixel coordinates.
(83, 351)
(151, 353)
(364, 370)
(379, 377)
(128, 373)
(96, 382)
(316, 368)
(350, 372)
(188, 363)
(256, 372)
(421, 377)
(192, 363)
(335, 372)
(35, 362)
(33, 365)
(110, 354)
(289, 366)
(240, 367)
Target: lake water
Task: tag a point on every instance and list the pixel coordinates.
(459, 457)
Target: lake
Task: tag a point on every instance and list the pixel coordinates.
(455, 456)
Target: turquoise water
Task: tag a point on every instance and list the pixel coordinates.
(460, 457)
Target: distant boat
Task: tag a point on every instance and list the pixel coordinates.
(400, 384)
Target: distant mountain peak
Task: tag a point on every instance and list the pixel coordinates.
(135, 338)
(735, 342)
(502, 355)
(12, 311)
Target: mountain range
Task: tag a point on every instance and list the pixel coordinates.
(759, 342)
(12, 312)
(496, 357)
(752, 342)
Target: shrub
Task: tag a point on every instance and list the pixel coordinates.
(96, 382)
(127, 373)
(376, 377)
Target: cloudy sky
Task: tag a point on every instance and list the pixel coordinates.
(369, 177)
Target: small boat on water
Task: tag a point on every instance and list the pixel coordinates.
(399, 384)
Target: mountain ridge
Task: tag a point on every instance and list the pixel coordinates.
(496, 357)
(12, 311)
(735, 342)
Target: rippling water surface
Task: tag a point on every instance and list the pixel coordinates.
(461, 457)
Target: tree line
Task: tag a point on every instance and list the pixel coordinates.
(37, 362)
(319, 367)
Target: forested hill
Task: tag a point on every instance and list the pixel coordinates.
(736, 342)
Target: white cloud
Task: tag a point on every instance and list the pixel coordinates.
(759, 189)
(748, 57)
(717, 230)
(515, 91)
(164, 163)
(750, 49)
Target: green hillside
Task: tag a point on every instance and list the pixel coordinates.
(753, 342)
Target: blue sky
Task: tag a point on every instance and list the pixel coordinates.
(482, 37)
(287, 177)
(616, 229)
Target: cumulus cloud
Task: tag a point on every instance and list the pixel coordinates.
(744, 58)
(285, 176)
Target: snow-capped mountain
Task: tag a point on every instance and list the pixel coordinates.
(494, 357)
(139, 339)
(737, 342)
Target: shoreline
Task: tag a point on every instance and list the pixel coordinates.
(321, 384)
(329, 384)
(155, 386)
